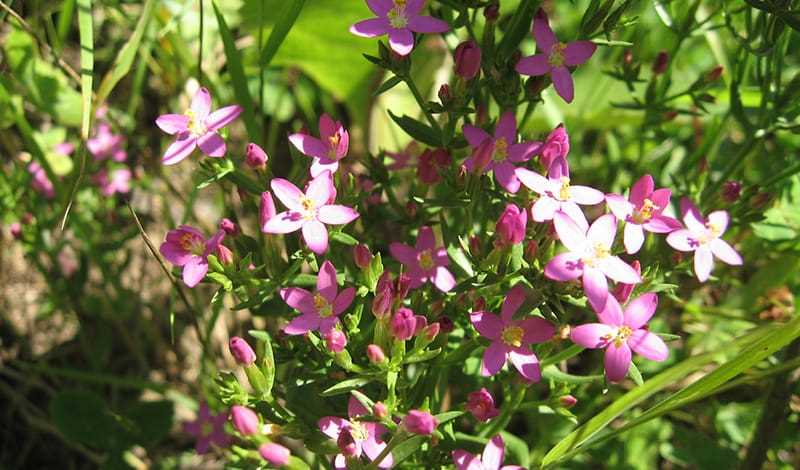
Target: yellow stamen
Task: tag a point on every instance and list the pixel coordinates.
(358, 431)
(512, 336)
(425, 260)
(598, 252)
(309, 208)
(556, 57)
(623, 333)
(323, 307)
(646, 212)
(500, 149)
(563, 193)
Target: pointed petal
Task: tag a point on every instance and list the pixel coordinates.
(719, 219)
(326, 281)
(641, 189)
(585, 195)
(425, 239)
(526, 363)
(703, 262)
(373, 448)
(570, 234)
(287, 193)
(534, 65)
(174, 253)
(488, 324)
(371, 28)
(212, 144)
(564, 267)
(619, 270)
(578, 52)
(522, 152)
(619, 206)
(316, 236)
(562, 80)
(299, 299)
(494, 358)
(682, 240)
(576, 214)
(401, 41)
(474, 135)
(172, 123)
(380, 7)
(443, 279)
(222, 117)
(515, 297)
(536, 330)
(179, 150)
(427, 24)
(464, 460)
(595, 287)
(308, 145)
(603, 231)
(303, 324)
(692, 217)
(648, 345)
(504, 172)
(506, 127)
(617, 361)
(334, 214)
(201, 104)
(662, 224)
(591, 335)
(194, 271)
(343, 300)
(284, 222)
(403, 253)
(545, 39)
(633, 237)
(533, 180)
(320, 189)
(321, 165)
(640, 310)
(544, 209)
(612, 313)
(493, 453)
(660, 197)
(332, 426)
(725, 252)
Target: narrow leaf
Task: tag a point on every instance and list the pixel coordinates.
(286, 18)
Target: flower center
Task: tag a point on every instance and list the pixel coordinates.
(556, 58)
(425, 260)
(563, 192)
(358, 431)
(192, 244)
(323, 307)
(195, 126)
(333, 145)
(596, 253)
(309, 208)
(397, 15)
(646, 212)
(206, 429)
(500, 149)
(712, 231)
(512, 336)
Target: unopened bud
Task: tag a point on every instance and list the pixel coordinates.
(362, 255)
(713, 74)
(411, 209)
(375, 354)
(531, 249)
(480, 304)
(346, 443)
(335, 341)
(16, 230)
(731, 190)
(660, 63)
(244, 420)
(567, 401)
(225, 255)
(445, 96)
(446, 325)
(274, 454)
(256, 157)
(467, 60)
(379, 410)
(242, 351)
(492, 12)
(228, 226)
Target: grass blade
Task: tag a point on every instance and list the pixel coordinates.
(288, 15)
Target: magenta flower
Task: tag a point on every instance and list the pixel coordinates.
(425, 262)
(511, 225)
(208, 429)
(420, 422)
(431, 163)
(403, 158)
(589, 256)
(405, 325)
(642, 211)
(186, 246)
(331, 147)
(309, 211)
(398, 18)
(335, 340)
(555, 147)
(491, 459)
(557, 194)
(119, 182)
(361, 437)
(505, 152)
(105, 144)
(619, 333)
(255, 157)
(241, 351)
(481, 405)
(703, 237)
(40, 182)
(244, 420)
(554, 57)
(511, 338)
(318, 311)
(197, 127)
(275, 454)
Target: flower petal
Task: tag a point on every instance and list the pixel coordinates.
(591, 335)
(595, 287)
(562, 80)
(526, 363)
(284, 222)
(533, 180)
(660, 198)
(682, 240)
(222, 117)
(534, 65)
(633, 237)
(321, 165)
(703, 262)
(570, 234)
(299, 299)
(475, 135)
(504, 172)
(316, 236)
(201, 104)
(308, 145)
(544, 209)
(172, 123)
(545, 39)
(662, 224)
(179, 150)
(194, 270)
(326, 281)
(287, 193)
(493, 453)
(640, 310)
(403, 253)
(371, 27)
(212, 144)
(343, 300)
(331, 426)
(641, 189)
(612, 313)
(425, 239)
(488, 324)
(620, 271)
(719, 219)
(515, 297)
(401, 41)
(523, 151)
(725, 252)
(174, 253)
(576, 214)
(603, 231)
(494, 358)
(585, 195)
(464, 460)
(506, 127)
(578, 52)
(619, 206)
(564, 267)
(536, 330)
(320, 189)
(373, 448)
(617, 361)
(648, 345)
(427, 24)
(443, 279)
(303, 324)
(334, 214)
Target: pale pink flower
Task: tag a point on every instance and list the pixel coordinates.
(398, 18)
(425, 261)
(105, 144)
(357, 436)
(40, 182)
(186, 246)
(119, 182)
(331, 147)
(275, 454)
(491, 459)
(208, 429)
(319, 311)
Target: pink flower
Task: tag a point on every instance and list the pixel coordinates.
(208, 429)
(405, 324)
(420, 422)
(309, 211)
(64, 149)
(375, 354)
(510, 338)
(105, 144)
(619, 333)
(266, 210)
(556, 147)
(318, 311)
(511, 225)
(335, 340)
(256, 158)
(331, 147)
(703, 237)
(398, 19)
(403, 158)
(491, 459)
(481, 405)
(120, 181)
(241, 351)
(467, 57)
(365, 437)
(642, 211)
(197, 127)
(430, 165)
(186, 246)
(504, 153)
(425, 262)
(244, 420)
(275, 454)
(40, 182)
(589, 256)
(554, 57)
(557, 194)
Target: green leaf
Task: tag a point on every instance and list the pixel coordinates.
(388, 85)
(343, 238)
(150, 421)
(346, 386)
(84, 418)
(635, 375)
(286, 18)
(406, 448)
(236, 70)
(124, 61)
(519, 28)
(448, 416)
(418, 130)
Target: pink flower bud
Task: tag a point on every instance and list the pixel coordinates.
(379, 410)
(511, 225)
(474, 245)
(420, 422)
(731, 190)
(224, 254)
(623, 291)
(445, 95)
(335, 340)
(268, 210)
(479, 305)
(346, 443)
(244, 420)
(274, 454)
(467, 59)
(403, 285)
(362, 255)
(714, 74)
(375, 354)
(242, 351)
(660, 63)
(228, 226)
(403, 324)
(481, 405)
(567, 401)
(16, 230)
(431, 331)
(446, 325)
(411, 209)
(492, 12)
(531, 249)
(256, 157)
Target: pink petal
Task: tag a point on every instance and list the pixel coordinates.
(562, 80)
(494, 358)
(585, 195)
(401, 41)
(725, 252)
(634, 237)
(545, 39)
(564, 267)
(595, 287)
(380, 7)
(515, 297)
(308, 145)
(425, 239)
(619, 206)
(475, 135)
(284, 222)
(443, 279)
(373, 448)
(523, 151)
(592, 335)
(201, 104)
(321, 165)
(533, 180)
(299, 299)
(526, 363)
(327, 126)
(174, 253)
(648, 345)
(603, 231)
(504, 172)
(544, 208)
(326, 281)
(640, 310)
(316, 236)
(570, 234)
(172, 123)
(703, 262)
(427, 24)
(488, 324)
(287, 193)
(620, 271)
(612, 313)
(212, 144)
(334, 214)
(464, 460)
(343, 300)
(303, 324)
(536, 330)
(682, 240)
(576, 214)
(660, 197)
(692, 217)
(179, 150)
(719, 219)
(534, 65)
(662, 224)
(617, 361)
(332, 426)
(493, 453)
(194, 271)
(506, 127)
(403, 253)
(578, 52)
(641, 189)
(414, 7)
(222, 117)
(320, 189)
(371, 28)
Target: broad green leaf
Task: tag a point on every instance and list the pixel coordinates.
(84, 418)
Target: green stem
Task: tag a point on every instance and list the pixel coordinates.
(421, 102)
(200, 49)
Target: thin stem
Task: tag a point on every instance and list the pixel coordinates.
(421, 102)
(261, 74)
(200, 49)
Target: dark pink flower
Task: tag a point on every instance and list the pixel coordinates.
(555, 147)
(319, 311)
(275, 454)
(500, 152)
(510, 338)
(554, 57)
(511, 225)
(208, 429)
(420, 422)
(366, 436)
(430, 164)
(309, 211)
(425, 262)
(491, 459)
(643, 210)
(186, 246)
(241, 351)
(256, 158)
(244, 420)
(467, 57)
(620, 333)
(197, 127)
(405, 324)
(331, 147)
(481, 405)
(398, 18)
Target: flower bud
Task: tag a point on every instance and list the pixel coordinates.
(242, 351)
(402, 286)
(403, 324)
(445, 95)
(274, 454)
(379, 410)
(479, 305)
(431, 331)
(481, 405)
(468, 60)
(411, 209)
(623, 291)
(335, 340)
(474, 245)
(482, 155)
(627, 58)
(531, 249)
(669, 116)
(713, 74)
(492, 12)
(660, 63)
(244, 420)
(228, 226)
(511, 225)
(731, 190)
(535, 85)
(224, 254)
(446, 325)
(267, 210)
(16, 230)
(362, 256)
(567, 401)
(256, 157)
(420, 422)
(346, 443)
(375, 354)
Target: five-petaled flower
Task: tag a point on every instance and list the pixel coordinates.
(425, 262)
(620, 332)
(308, 211)
(643, 210)
(398, 18)
(332, 145)
(354, 436)
(702, 236)
(208, 429)
(491, 459)
(319, 311)
(589, 256)
(510, 338)
(197, 127)
(554, 57)
(186, 246)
